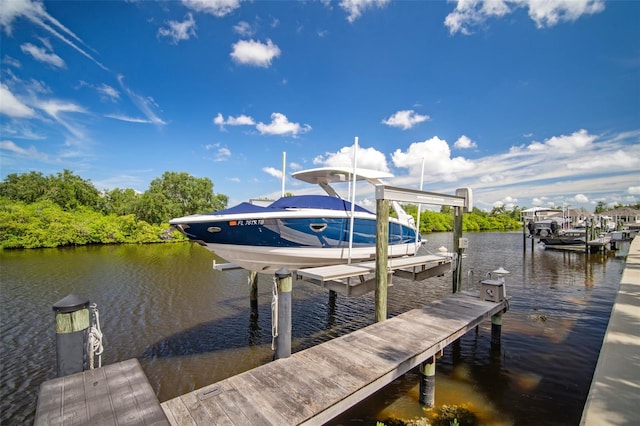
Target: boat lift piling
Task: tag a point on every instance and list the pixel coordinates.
(281, 315)
(462, 200)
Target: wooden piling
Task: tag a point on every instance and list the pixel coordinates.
(72, 332)
(457, 235)
(253, 291)
(284, 282)
(496, 329)
(427, 396)
(382, 245)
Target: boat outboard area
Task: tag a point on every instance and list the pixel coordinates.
(304, 230)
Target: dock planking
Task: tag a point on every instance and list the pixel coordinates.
(117, 394)
(317, 384)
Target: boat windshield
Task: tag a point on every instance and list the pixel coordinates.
(314, 202)
(294, 202)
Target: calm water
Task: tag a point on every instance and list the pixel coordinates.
(190, 326)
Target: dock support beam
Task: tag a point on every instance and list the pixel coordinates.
(457, 235)
(253, 292)
(282, 338)
(72, 334)
(496, 329)
(427, 396)
(382, 254)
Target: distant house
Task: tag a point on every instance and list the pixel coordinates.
(624, 216)
(565, 217)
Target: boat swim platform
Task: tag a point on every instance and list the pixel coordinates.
(355, 279)
(313, 386)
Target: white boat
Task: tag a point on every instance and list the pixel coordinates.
(301, 231)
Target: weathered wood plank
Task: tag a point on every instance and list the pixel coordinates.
(177, 412)
(50, 403)
(118, 394)
(202, 410)
(74, 410)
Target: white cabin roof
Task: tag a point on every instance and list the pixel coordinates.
(338, 174)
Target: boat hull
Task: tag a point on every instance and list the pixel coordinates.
(269, 259)
(267, 244)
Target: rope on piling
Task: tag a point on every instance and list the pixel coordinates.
(95, 338)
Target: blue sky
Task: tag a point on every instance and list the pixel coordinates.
(528, 103)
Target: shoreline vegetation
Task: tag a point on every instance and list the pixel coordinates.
(62, 210)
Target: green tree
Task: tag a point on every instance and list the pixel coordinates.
(178, 194)
(28, 187)
(119, 201)
(600, 207)
(70, 191)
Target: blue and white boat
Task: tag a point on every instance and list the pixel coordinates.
(301, 231)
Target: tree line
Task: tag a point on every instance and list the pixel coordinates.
(499, 219)
(65, 209)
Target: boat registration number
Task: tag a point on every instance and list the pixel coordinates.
(246, 222)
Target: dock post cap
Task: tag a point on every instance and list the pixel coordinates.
(283, 273)
(70, 303)
(501, 271)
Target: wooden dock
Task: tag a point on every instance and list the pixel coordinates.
(315, 385)
(310, 387)
(117, 394)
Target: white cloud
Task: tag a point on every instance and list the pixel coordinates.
(129, 119)
(581, 198)
(619, 158)
(577, 142)
(179, 31)
(550, 13)
(368, 158)
(468, 14)
(35, 12)
(464, 142)
(635, 190)
(108, 92)
(12, 106)
(58, 110)
(222, 154)
(8, 60)
(437, 156)
(354, 8)
(145, 104)
(41, 54)
(280, 125)
(244, 29)
(241, 120)
(405, 119)
(255, 53)
(273, 172)
(218, 8)
(31, 152)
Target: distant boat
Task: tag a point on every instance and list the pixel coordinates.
(575, 236)
(301, 231)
